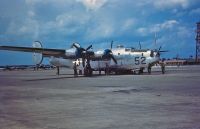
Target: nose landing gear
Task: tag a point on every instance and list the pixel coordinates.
(162, 68)
(149, 69)
(162, 65)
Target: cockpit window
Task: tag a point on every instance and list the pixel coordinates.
(120, 46)
(127, 49)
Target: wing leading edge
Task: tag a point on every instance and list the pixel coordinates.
(44, 51)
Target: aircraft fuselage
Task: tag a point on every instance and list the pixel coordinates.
(127, 59)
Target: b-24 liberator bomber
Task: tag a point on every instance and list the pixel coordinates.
(118, 60)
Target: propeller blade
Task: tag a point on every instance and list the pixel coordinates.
(88, 48)
(111, 44)
(76, 45)
(159, 48)
(73, 45)
(164, 51)
(113, 58)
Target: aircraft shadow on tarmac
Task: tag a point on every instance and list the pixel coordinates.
(58, 77)
(93, 76)
(54, 78)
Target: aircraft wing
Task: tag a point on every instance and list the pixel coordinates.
(44, 51)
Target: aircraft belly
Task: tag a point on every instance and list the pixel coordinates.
(96, 65)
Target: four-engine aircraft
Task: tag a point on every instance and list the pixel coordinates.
(118, 60)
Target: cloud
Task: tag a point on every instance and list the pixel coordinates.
(128, 24)
(103, 30)
(171, 3)
(184, 32)
(163, 26)
(30, 28)
(71, 20)
(167, 25)
(93, 4)
(142, 31)
(166, 4)
(57, 2)
(195, 11)
(31, 13)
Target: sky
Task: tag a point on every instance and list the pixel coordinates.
(59, 23)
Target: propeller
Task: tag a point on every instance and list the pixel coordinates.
(82, 52)
(159, 51)
(113, 58)
(111, 54)
(89, 47)
(108, 54)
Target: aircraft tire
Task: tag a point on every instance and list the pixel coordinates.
(141, 71)
(80, 72)
(88, 72)
(149, 69)
(58, 70)
(117, 72)
(163, 69)
(85, 72)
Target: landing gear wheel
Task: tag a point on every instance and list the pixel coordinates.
(141, 70)
(117, 72)
(87, 71)
(58, 70)
(90, 72)
(149, 69)
(80, 72)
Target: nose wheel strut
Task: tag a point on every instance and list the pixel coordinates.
(149, 69)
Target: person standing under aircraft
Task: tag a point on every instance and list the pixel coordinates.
(75, 70)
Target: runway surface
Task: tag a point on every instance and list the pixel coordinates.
(42, 100)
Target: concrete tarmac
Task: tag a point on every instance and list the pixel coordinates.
(43, 100)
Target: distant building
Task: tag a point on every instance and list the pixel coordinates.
(173, 62)
(178, 62)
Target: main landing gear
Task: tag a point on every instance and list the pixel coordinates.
(88, 70)
(58, 70)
